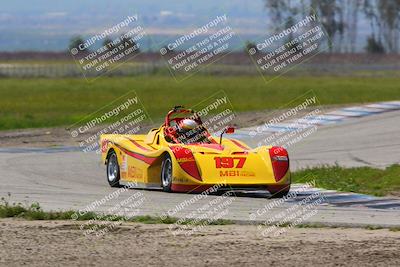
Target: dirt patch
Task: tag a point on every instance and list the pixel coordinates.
(49, 243)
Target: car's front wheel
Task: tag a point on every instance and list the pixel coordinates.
(113, 174)
(166, 174)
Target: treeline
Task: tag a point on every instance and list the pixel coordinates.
(341, 19)
(77, 41)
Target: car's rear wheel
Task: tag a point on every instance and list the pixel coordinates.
(166, 174)
(280, 194)
(279, 191)
(113, 174)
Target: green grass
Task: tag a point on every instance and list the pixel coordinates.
(364, 180)
(26, 103)
(35, 212)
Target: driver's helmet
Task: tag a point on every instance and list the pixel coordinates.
(188, 124)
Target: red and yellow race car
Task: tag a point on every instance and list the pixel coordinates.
(182, 156)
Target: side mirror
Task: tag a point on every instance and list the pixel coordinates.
(227, 130)
(230, 130)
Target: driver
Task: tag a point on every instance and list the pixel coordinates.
(190, 132)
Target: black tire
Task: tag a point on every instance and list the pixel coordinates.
(281, 193)
(113, 174)
(166, 174)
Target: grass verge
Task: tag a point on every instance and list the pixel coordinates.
(366, 180)
(31, 103)
(35, 212)
(96, 221)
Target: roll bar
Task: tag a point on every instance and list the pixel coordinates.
(177, 110)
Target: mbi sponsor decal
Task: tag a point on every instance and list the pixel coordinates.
(235, 173)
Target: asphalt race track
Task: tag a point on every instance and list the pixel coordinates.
(64, 178)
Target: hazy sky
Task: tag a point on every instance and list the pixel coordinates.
(77, 16)
(49, 24)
